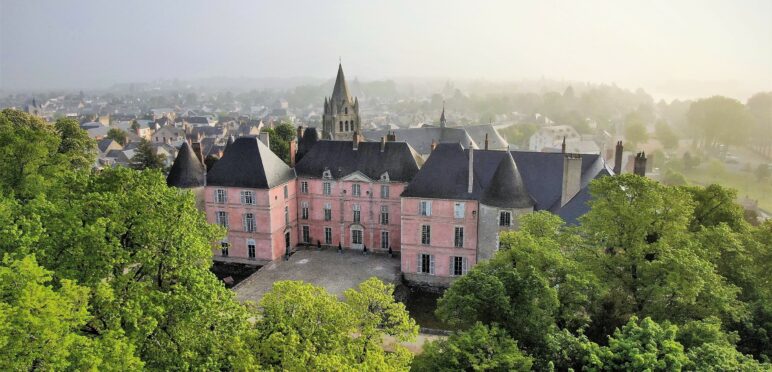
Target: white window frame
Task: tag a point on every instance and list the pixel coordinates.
(221, 217)
(224, 248)
(286, 192)
(421, 267)
(220, 196)
(425, 208)
(305, 233)
(247, 197)
(458, 237)
(248, 219)
(251, 248)
(327, 188)
(356, 189)
(384, 215)
(304, 187)
(384, 191)
(426, 235)
(304, 210)
(328, 211)
(327, 235)
(508, 215)
(459, 209)
(384, 239)
(464, 263)
(357, 213)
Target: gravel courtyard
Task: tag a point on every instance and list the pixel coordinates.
(334, 271)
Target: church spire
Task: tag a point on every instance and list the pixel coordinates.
(340, 91)
(442, 116)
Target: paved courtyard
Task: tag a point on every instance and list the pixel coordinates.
(334, 271)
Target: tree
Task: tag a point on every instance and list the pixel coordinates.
(644, 346)
(714, 205)
(146, 158)
(76, 143)
(665, 135)
(280, 138)
(673, 178)
(302, 327)
(480, 348)
(635, 132)
(719, 120)
(763, 172)
(117, 135)
(42, 327)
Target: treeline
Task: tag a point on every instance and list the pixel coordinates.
(655, 278)
(110, 271)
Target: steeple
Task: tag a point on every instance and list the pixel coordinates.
(340, 91)
(442, 116)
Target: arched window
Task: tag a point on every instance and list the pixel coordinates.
(345, 110)
(341, 126)
(346, 125)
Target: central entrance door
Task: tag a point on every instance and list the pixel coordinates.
(356, 238)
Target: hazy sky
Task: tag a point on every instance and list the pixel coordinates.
(667, 47)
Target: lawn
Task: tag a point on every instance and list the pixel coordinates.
(745, 183)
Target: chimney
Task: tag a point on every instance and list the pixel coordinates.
(391, 136)
(572, 177)
(563, 146)
(434, 144)
(471, 169)
(639, 166)
(293, 148)
(383, 144)
(618, 158)
(300, 132)
(196, 146)
(355, 140)
(265, 139)
(486, 141)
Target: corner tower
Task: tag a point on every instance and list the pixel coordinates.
(341, 112)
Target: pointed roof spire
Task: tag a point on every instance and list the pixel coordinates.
(187, 171)
(442, 116)
(340, 91)
(506, 188)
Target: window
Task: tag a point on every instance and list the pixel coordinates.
(251, 248)
(304, 210)
(286, 215)
(328, 212)
(384, 215)
(286, 192)
(384, 191)
(222, 219)
(306, 234)
(340, 124)
(458, 210)
(345, 110)
(458, 240)
(425, 208)
(220, 197)
(426, 234)
(328, 235)
(249, 222)
(505, 218)
(384, 240)
(356, 190)
(247, 197)
(356, 212)
(458, 266)
(426, 263)
(327, 188)
(224, 248)
(356, 237)
(303, 187)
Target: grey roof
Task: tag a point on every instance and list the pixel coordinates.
(309, 139)
(340, 91)
(339, 157)
(421, 138)
(495, 140)
(105, 143)
(187, 170)
(506, 189)
(249, 163)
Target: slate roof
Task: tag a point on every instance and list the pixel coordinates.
(187, 170)
(339, 157)
(421, 138)
(340, 91)
(506, 188)
(249, 163)
(105, 143)
(495, 140)
(309, 139)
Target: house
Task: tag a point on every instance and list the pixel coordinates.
(95, 130)
(551, 137)
(349, 192)
(105, 145)
(168, 134)
(251, 192)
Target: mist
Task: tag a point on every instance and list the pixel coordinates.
(672, 50)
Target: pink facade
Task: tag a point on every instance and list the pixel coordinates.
(339, 225)
(445, 219)
(269, 213)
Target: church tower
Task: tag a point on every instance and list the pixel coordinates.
(341, 113)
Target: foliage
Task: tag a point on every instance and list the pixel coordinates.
(146, 157)
(279, 139)
(303, 327)
(635, 130)
(719, 120)
(117, 135)
(480, 348)
(644, 346)
(763, 172)
(673, 178)
(665, 135)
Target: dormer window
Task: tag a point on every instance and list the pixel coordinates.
(385, 177)
(327, 174)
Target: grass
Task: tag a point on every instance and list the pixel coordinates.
(745, 183)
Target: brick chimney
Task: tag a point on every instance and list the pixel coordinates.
(563, 146)
(618, 158)
(391, 136)
(486, 141)
(639, 166)
(572, 177)
(471, 169)
(383, 144)
(293, 149)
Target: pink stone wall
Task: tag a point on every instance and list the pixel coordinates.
(269, 220)
(443, 223)
(342, 201)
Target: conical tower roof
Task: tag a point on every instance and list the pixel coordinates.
(187, 171)
(340, 91)
(442, 116)
(506, 188)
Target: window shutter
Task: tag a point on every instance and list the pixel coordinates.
(244, 222)
(464, 265)
(418, 267)
(431, 264)
(428, 208)
(451, 267)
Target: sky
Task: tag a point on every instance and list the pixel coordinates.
(669, 48)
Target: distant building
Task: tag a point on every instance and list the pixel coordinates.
(341, 112)
(552, 137)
